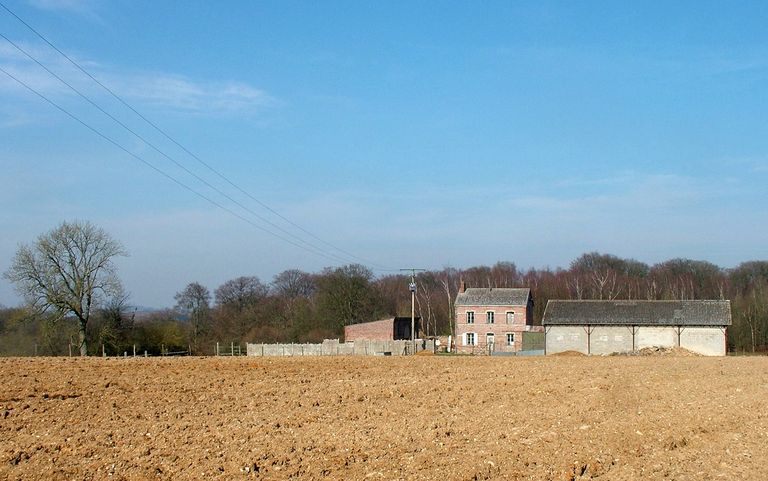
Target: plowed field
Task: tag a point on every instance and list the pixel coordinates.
(375, 418)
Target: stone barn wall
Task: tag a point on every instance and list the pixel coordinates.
(709, 341)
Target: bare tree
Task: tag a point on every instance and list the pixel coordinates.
(240, 293)
(293, 283)
(68, 271)
(194, 301)
(346, 295)
(449, 279)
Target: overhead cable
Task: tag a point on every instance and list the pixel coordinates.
(186, 150)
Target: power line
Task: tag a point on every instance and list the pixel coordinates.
(155, 148)
(160, 171)
(182, 147)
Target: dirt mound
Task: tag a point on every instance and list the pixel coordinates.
(667, 351)
(569, 354)
(659, 352)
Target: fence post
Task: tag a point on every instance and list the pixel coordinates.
(217, 348)
(103, 351)
(232, 349)
(134, 350)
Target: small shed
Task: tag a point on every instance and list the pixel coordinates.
(604, 327)
(390, 329)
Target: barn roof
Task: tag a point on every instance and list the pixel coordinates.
(496, 296)
(642, 313)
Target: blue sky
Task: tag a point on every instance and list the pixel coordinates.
(407, 133)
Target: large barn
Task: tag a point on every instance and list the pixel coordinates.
(604, 327)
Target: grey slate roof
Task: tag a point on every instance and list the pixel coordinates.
(497, 296)
(638, 313)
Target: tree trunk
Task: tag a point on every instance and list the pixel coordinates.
(83, 346)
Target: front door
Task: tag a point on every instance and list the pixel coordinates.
(489, 341)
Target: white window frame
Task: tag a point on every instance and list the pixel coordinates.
(467, 336)
(510, 339)
(470, 317)
(490, 317)
(512, 315)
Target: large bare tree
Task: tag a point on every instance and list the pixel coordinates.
(68, 271)
(195, 302)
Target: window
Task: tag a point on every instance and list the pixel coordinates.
(510, 339)
(510, 318)
(470, 317)
(471, 340)
(489, 317)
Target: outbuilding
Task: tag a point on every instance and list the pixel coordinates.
(389, 329)
(604, 327)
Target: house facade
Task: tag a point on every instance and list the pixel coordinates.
(492, 320)
(605, 327)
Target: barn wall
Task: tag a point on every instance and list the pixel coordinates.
(566, 338)
(709, 341)
(609, 339)
(382, 330)
(653, 336)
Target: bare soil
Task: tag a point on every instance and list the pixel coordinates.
(383, 418)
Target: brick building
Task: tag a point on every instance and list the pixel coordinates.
(390, 329)
(493, 319)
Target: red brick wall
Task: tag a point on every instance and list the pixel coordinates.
(375, 331)
(499, 328)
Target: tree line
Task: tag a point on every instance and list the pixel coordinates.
(299, 306)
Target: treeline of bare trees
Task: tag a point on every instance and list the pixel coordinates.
(297, 306)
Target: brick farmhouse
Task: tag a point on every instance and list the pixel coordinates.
(492, 320)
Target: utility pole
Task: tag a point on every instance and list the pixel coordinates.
(412, 287)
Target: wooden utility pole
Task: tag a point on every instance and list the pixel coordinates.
(412, 287)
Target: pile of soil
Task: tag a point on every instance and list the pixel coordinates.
(667, 351)
(659, 351)
(569, 354)
(384, 418)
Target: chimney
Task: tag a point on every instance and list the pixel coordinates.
(462, 286)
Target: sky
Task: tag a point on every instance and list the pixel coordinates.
(399, 134)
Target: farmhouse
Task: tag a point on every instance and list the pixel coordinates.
(390, 329)
(493, 319)
(604, 327)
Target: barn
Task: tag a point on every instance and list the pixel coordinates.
(604, 327)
